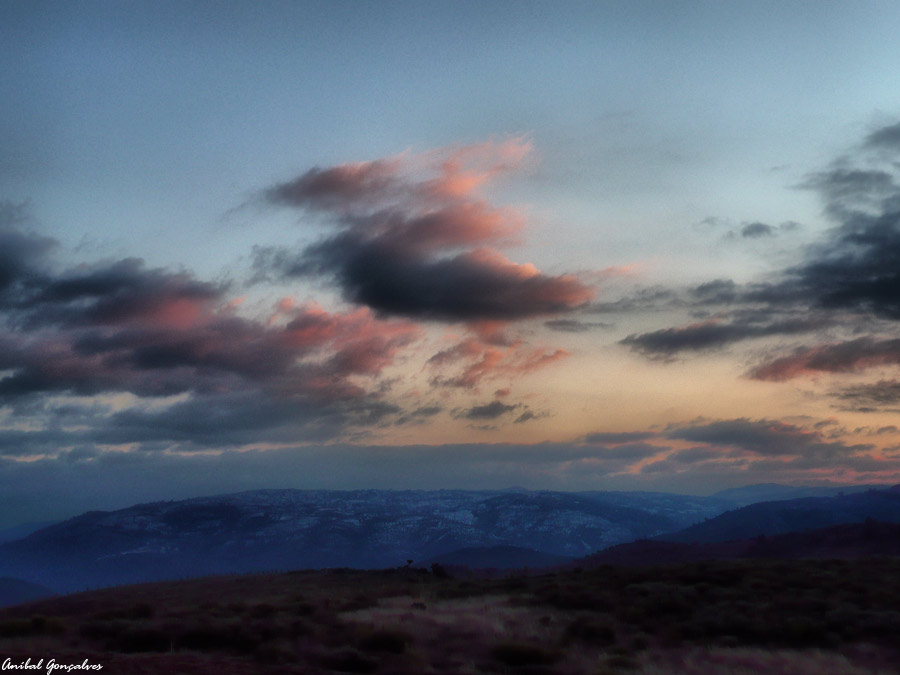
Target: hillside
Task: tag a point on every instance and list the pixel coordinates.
(793, 515)
(725, 618)
(851, 541)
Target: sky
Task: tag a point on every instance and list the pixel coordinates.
(419, 245)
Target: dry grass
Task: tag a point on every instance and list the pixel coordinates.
(710, 619)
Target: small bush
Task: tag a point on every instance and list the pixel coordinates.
(15, 628)
(517, 655)
(349, 661)
(618, 662)
(142, 640)
(36, 625)
(591, 631)
(229, 637)
(393, 642)
(141, 610)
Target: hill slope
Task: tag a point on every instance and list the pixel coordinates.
(850, 541)
(793, 515)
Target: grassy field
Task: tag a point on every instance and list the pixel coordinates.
(797, 617)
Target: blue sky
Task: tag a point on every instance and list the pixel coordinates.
(620, 152)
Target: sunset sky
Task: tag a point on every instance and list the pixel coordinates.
(418, 245)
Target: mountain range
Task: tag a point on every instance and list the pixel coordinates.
(296, 529)
(267, 530)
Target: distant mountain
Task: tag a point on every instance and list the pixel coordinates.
(23, 530)
(849, 541)
(16, 591)
(294, 529)
(499, 558)
(769, 492)
(793, 515)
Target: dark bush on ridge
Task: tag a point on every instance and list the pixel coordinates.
(142, 640)
(391, 641)
(517, 655)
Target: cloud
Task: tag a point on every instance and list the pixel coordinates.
(842, 357)
(574, 325)
(616, 437)
(695, 455)
(413, 240)
(871, 397)
(757, 231)
(174, 345)
(488, 411)
(488, 352)
(22, 254)
(119, 328)
(846, 285)
(767, 438)
(714, 335)
(887, 138)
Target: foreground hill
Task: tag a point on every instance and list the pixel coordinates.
(295, 529)
(793, 515)
(735, 618)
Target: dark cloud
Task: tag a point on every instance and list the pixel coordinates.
(22, 254)
(714, 335)
(121, 327)
(574, 326)
(651, 299)
(842, 357)
(848, 282)
(872, 397)
(419, 415)
(634, 452)
(887, 137)
(488, 411)
(340, 187)
(617, 437)
(694, 455)
(717, 292)
(469, 286)
(768, 438)
(757, 230)
(417, 247)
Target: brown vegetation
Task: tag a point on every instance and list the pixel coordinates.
(718, 617)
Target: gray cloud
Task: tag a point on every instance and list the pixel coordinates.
(616, 437)
(848, 281)
(574, 326)
(757, 230)
(768, 438)
(871, 397)
(714, 335)
(488, 411)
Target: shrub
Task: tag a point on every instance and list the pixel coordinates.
(517, 655)
(391, 641)
(349, 661)
(228, 637)
(142, 640)
(592, 631)
(36, 625)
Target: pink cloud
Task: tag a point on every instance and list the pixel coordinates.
(416, 240)
(841, 357)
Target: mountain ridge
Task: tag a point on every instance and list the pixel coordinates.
(276, 529)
